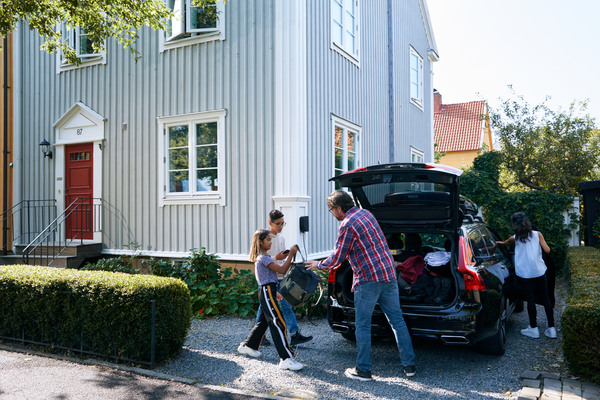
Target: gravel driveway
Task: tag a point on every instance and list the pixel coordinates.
(443, 372)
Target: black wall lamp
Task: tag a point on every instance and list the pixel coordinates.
(46, 148)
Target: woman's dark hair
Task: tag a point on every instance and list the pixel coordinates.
(521, 226)
(341, 199)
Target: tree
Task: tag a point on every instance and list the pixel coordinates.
(546, 149)
(100, 19)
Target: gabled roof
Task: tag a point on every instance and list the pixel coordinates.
(459, 127)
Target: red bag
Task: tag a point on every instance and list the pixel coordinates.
(412, 268)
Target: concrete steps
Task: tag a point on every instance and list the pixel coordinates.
(71, 257)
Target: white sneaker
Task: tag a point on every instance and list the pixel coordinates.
(550, 332)
(531, 332)
(243, 349)
(291, 364)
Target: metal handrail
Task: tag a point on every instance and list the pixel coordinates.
(81, 207)
(25, 220)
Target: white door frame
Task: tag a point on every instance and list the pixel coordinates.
(80, 124)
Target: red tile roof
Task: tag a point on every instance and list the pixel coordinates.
(459, 127)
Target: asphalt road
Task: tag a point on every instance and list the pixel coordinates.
(30, 377)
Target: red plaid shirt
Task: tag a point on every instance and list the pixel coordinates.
(361, 241)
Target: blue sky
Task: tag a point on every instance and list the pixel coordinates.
(541, 48)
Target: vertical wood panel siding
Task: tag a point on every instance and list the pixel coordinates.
(237, 75)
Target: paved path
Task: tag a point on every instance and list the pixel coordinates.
(546, 386)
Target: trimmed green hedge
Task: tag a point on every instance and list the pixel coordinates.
(97, 312)
(581, 319)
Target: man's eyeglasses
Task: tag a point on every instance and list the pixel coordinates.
(331, 209)
(282, 224)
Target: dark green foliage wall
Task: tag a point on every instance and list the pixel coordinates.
(544, 209)
(580, 320)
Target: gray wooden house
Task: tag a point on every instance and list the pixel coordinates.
(220, 121)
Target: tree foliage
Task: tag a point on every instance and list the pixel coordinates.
(100, 19)
(481, 184)
(544, 149)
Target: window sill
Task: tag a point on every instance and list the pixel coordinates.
(101, 59)
(417, 103)
(353, 59)
(177, 43)
(214, 198)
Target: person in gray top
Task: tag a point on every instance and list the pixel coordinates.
(266, 275)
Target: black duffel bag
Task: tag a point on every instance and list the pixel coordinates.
(298, 285)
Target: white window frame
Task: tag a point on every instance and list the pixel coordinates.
(71, 36)
(176, 38)
(346, 126)
(199, 197)
(416, 154)
(339, 44)
(418, 70)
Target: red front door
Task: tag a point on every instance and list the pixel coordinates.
(79, 186)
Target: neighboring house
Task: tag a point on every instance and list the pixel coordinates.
(462, 131)
(225, 119)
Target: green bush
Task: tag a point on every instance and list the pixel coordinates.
(481, 185)
(112, 264)
(97, 312)
(580, 320)
(596, 231)
(214, 290)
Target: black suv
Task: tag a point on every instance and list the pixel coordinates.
(453, 280)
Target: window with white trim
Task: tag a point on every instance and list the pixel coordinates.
(193, 157)
(79, 40)
(194, 24)
(416, 155)
(345, 146)
(345, 27)
(416, 78)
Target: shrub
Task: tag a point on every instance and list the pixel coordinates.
(481, 185)
(596, 231)
(96, 312)
(580, 320)
(113, 264)
(214, 291)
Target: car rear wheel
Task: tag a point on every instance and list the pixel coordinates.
(349, 336)
(496, 345)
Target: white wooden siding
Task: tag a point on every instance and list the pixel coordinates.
(237, 75)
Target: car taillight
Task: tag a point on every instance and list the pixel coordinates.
(473, 280)
(332, 272)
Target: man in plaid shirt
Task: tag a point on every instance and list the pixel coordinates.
(361, 241)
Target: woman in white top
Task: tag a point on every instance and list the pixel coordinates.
(531, 272)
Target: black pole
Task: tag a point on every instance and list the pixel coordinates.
(5, 148)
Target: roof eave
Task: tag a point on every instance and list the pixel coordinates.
(432, 53)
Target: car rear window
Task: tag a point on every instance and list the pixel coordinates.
(407, 193)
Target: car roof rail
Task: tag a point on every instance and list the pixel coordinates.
(468, 218)
(479, 218)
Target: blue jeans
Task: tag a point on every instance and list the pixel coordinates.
(288, 314)
(366, 296)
